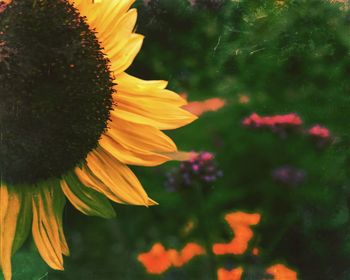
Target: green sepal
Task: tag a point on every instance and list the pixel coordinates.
(24, 220)
(96, 203)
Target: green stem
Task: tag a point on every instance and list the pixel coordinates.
(203, 225)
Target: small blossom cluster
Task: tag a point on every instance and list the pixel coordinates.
(201, 168)
(291, 120)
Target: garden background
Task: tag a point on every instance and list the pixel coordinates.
(288, 62)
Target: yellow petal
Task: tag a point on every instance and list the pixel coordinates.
(10, 204)
(123, 59)
(136, 144)
(122, 184)
(86, 199)
(88, 179)
(160, 115)
(153, 89)
(100, 15)
(114, 25)
(58, 207)
(24, 220)
(180, 155)
(146, 102)
(114, 43)
(129, 156)
(48, 202)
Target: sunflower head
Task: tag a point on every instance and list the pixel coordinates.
(55, 90)
(72, 120)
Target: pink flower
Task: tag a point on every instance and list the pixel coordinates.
(205, 156)
(195, 167)
(255, 120)
(319, 131)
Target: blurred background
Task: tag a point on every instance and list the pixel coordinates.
(270, 82)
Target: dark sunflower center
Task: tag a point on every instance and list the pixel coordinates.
(55, 90)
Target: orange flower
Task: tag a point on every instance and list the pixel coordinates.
(240, 224)
(198, 108)
(190, 251)
(175, 258)
(281, 272)
(256, 251)
(156, 261)
(234, 274)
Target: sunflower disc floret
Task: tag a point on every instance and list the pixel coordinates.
(55, 90)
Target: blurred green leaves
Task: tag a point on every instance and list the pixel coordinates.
(27, 264)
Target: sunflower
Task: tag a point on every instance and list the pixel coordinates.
(72, 120)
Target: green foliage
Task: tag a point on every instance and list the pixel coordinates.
(29, 265)
(291, 57)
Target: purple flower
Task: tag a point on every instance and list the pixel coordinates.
(201, 169)
(289, 176)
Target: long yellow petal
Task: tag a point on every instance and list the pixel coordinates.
(122, 60)
(15, 218)
(152, 89)
(114, 43)
(136, 144)
(122, 184)
(100, 15)
(129, 156)
(58, 206)
(114, 26)
(24, 220)
(88, 179)
(148, 103)
(48, 202)
(86, 199)
(165, 117)
(10, 204)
